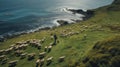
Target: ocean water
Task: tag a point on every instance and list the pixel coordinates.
(18, 16)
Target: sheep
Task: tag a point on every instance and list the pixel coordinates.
(12, 45)
(23, 46)
(46, 47)
(63, 35)
(82, 30)
(24, 42)
(13, 63)
(22, 56)
(85, 26)
(61, 59)
(52, 44)
(49, 48)
(39, 46)
(12, 48)
(4, 61)
(2, 57)
(35, 44)
(31, 56)
(51, 37)
(76, 33)
(84, 36)
(2, 52)
(42, 62)
(43, 40)
(49, 60)
(37, 62)
(42, 55)
(18, 52)
(28, 41)
(16, 47)
(7, 51)
(19, 43)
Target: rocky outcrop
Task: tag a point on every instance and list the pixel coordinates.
(62, 22)
(87, 14)
(80, 11)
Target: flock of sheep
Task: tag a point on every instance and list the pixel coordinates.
(17, 50)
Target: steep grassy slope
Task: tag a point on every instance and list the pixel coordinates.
(77, 44)
(104, 53)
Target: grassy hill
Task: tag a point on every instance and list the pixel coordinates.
(91, 43)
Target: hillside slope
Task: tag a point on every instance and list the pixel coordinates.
(74, 42)
(104, 53)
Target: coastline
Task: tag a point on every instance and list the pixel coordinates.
(87, 14)
(88, 43)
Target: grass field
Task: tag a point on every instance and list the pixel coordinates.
(103, 27)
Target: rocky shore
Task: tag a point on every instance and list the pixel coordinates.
(87, 14)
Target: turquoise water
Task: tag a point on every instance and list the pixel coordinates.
(17, 16)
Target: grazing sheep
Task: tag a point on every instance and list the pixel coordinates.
(4, 61)
(22, 56)
(39, 46)
(36, 44)
(85, 36)
(52, 44)
(12, 45)
(18, 52)
(2, 52)
(31, 56)
(76, 33)
(61, 59)
(45, 48)
(37, 62)
(19, 43)
(43, 40)
(49, 48)
(11, 48)
(63, 35)
(42, 62)
(49, 60)
(42, 55)
(22, 47)
(28, 41)
(16, 47)
(2, 57)
(82, 30)
(7, 51)
(13, 63)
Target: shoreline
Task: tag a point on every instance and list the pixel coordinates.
(87, 15)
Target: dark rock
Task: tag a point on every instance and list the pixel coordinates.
(62, 22)
(87, 14)
(80, 11)
(2, 39)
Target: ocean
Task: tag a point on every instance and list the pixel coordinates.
(20, 16)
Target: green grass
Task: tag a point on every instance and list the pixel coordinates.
(103, 25)
(104, 53)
